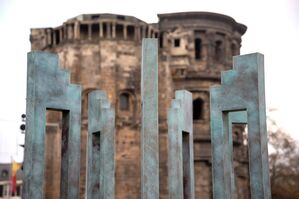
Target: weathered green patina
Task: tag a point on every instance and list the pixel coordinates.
(237, 117)
(180, 147)
(242, 89)
(101, 147)
(239, 100)
(150, 131)
(48, 87)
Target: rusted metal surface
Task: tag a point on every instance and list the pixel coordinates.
(242, 90)
(101, 147)
(180, 147)
(150, 131)
(48, 87)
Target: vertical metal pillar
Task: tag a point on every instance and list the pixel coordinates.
(48, 87)
(242, 89)
(101, 147)
(149, 134)
(180, 147)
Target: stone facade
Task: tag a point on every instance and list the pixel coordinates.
(102, 51)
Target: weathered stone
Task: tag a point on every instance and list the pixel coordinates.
(102, 54)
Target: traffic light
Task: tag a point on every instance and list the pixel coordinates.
(23, 125)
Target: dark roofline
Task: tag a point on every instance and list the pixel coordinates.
(204, 15)
(106, 16)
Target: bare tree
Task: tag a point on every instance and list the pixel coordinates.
(284, 163)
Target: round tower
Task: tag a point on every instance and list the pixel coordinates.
(199, 45)
(103, 51)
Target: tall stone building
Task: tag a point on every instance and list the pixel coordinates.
(103, 51)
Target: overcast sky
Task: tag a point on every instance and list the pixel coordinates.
(273, 28)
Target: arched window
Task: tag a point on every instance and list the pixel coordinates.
(124, 102)
(197, 49)
(126, 107)
(218, 51)
(198, 109)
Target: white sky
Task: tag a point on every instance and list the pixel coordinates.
(273, 28)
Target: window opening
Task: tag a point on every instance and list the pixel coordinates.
(95, 29)
(218, 51)
(119, 31)
(198, 109)
(131, 32)
(84, 31)
(197, 49)
(177, 42)
(124, 102)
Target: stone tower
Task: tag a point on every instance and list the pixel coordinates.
(102, 51)
(199, 46)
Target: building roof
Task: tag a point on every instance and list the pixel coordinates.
(98, 16)
(203, 15)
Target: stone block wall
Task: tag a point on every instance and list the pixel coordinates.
(103, 51)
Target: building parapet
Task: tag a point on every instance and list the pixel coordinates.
(93, 28)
